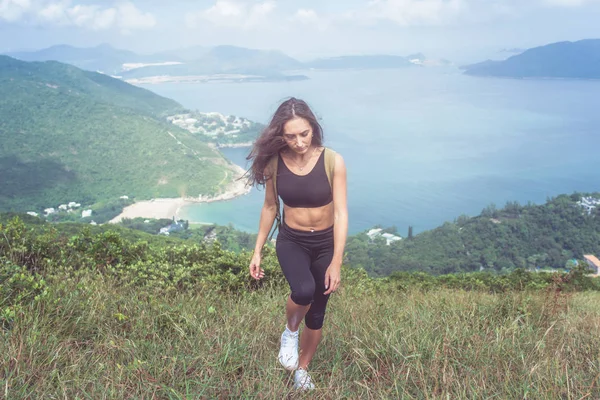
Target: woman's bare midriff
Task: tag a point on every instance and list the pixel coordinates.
(306, 219)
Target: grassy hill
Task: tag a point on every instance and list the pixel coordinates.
(73, 135)
(87, 313)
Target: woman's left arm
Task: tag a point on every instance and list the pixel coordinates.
(340, 227)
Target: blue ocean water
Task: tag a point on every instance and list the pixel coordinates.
(423, 146)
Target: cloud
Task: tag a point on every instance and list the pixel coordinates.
(307, 16)
(310, 17)
(129, 17)
(233, 14)
(122, 15)
(411, 12)
(568, 3)
(13, 10)
(88, 16)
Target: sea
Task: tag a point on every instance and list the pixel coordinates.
(423, 146)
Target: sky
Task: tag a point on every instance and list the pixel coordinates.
(459, 30)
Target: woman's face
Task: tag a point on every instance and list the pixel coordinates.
(297, 133)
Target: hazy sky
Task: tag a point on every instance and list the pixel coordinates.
(461, 30)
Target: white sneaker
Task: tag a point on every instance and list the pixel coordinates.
(288, 352)
(302, 380)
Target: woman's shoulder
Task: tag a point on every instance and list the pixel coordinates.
(271, 165)
(333, 155)
(332, 151)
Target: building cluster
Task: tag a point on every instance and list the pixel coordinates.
(69, 207)
(176, 226)
(589, 203)
(210, 123)
(378, 232)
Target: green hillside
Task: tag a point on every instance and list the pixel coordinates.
(73, 135)
(517, 236)
(79, 83)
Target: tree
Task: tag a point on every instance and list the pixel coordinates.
(489, 211)
(392, 229)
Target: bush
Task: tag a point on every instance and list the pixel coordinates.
(517, 280)
(19, 288)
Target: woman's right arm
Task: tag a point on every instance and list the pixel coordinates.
(267, 217)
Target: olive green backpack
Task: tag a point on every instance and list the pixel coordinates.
(329, 170)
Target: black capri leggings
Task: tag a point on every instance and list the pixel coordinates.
(304, 258)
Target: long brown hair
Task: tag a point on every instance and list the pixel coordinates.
(271, 141)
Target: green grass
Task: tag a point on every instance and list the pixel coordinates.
(91, 338)
(120, 314)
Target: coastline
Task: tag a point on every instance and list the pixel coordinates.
(171, 207)
(233, 145)
(212, 78)
(157, 79)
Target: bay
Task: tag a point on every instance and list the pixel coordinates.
(423, 145)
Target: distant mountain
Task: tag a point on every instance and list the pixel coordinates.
(225, 60)
(579, 59)
(511, 50)
(238, 64)
(233, 57)
(376, 62)
(480, 65)
(74, 135)
(104, 58)
(198, 60)
(184, 54)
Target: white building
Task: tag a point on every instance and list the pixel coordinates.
(389, 238)
(377, 232)
(373, 233)
(589, 203)
(32, 213)
(86, 213)
(593, 263)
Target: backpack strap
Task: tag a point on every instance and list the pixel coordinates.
(329, 165)
(273, 163)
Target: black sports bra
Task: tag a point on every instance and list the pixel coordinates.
(304, 191)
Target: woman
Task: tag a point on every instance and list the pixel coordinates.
(289, 160)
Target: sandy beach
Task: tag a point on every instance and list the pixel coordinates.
(170, 207)
(155, 208)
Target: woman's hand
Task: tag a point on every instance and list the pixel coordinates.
(332, 278)
(255, 270)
